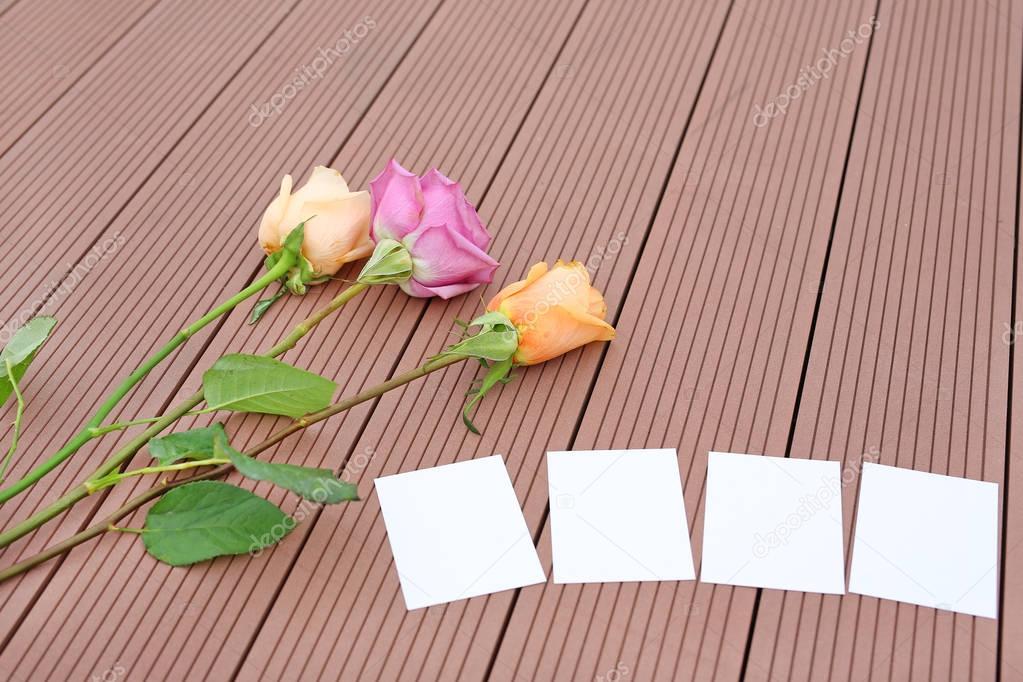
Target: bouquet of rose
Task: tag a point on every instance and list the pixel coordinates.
(420, 233)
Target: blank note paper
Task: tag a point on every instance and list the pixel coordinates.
(618, 516)
(773, 522)
(457, 531)
(927, 539)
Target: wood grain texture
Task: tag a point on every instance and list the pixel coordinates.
(47, 47)
(70, 176)
(602, 169)
(186, 241)
(713, 336)
(419, 115)
(908, 366)
(835, 281)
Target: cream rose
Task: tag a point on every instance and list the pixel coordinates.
(336, 220)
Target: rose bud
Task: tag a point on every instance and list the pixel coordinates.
(428, 237)
(336, 221)
(554, 311)
(545, 315)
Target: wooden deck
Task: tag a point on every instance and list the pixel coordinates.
(837, 281)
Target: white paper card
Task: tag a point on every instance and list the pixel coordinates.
(927, 539)
(618, 516)
(457, 531)
(773, 522)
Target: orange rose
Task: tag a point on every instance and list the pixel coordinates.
(554, 310)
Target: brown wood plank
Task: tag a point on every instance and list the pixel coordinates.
(564, 121)
(1011, 607)
(46, 46)
(189, 233)
(602, 165)
(72, 172)
(432, 111)
(714, 334)
(1010, 642)
(907, 364)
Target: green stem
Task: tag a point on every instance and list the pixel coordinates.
(115, 478)
(134, 503)
(121, 426)
(17, 419)
(80, 491)
(429, 366)
(118, 529)
(306, 325)
(85, 435)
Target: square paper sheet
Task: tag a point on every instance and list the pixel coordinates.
(457, 531)
(927, 539)
(773, 522)
(618, 516)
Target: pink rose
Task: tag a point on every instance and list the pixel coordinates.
(436, 226)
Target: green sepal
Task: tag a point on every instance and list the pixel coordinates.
(391, 263)
(263, 304)
(292, 247)
(302, 275)
(299, 274)
(498, 373)
(293, 242)
(494, 346)
(497, 339)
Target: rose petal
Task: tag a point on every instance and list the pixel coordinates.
(337, 232)
(443, 256)
(566, 284)
(597, 306)
(444, 203)
(535, 273)
(557, 331)
(397, 203)
(323, 184)
(269, 227)
(446, 291)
